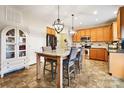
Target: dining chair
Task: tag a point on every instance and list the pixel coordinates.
(69, 65)
(79, 59)
(48, 62)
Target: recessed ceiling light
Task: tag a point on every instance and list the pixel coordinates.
(95, 12)
(96, 19)
(115, 12)
(80, 23)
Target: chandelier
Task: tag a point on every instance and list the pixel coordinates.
(72, 28)
(58, 24)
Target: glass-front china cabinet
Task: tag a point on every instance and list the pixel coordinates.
(14, 54)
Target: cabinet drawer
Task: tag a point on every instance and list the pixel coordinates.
(16, 65)
(15, 62)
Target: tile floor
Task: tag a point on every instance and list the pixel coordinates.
(93, 75)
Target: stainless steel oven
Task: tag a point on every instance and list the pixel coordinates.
(86, 43)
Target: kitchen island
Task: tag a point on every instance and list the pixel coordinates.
(116, 63)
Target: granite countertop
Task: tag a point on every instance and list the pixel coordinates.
(116, 51)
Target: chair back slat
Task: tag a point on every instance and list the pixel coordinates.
(81, 54)
(73, 54)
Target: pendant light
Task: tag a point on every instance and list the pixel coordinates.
(58, 24)
(72, 28)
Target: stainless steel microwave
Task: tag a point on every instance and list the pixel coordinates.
(85, 39)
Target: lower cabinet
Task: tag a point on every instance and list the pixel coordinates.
(99, 54)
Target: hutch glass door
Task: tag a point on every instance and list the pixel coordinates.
(10, 44)
(22, 44)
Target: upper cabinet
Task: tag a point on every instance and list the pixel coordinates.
(107, 33)
(74, 38)
(97, 34)
(93, 34)
(118, 26)
(87, 32)
(82, 33)
(51, 38)
(51, 31)
(78, 36)
(100, 34)
(115, 33)
(120, 23)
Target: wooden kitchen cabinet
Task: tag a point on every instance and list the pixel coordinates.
(100, 34)
(120, 23)
(74, 38)
(82, 33)
(93, 53)
(78, 36)
(87, 32)
(118, 26)
(111, 34)
(93, 34)
(51, 31)
(97, 34)
(107, 33)
(116, 34)
(99, 54)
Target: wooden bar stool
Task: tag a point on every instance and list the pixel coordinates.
(49, 63)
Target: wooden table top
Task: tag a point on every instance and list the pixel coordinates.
(58, 52)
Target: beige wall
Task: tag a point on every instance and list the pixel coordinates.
(63, 36)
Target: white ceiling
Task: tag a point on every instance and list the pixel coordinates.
(84, 16)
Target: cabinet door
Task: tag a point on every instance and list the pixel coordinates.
(78, 36)
(82, 32)
(93, 35)
(110, 33)
(21, 44)
(93, 53)
(74, 38)
(106, 55)
(53, 32)
(100, 54)
(87, 32)
(114, 29)
(118, 26)
(100, 34)
(49, 31)
(107, 33)
(10, 46)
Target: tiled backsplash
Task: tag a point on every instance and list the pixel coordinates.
(94, 45)
(99, 45)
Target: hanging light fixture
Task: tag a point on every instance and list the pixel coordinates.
(58, 24)
(72, 28)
